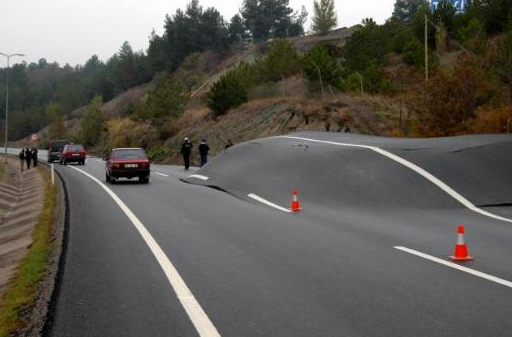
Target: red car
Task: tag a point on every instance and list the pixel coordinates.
(72, 153)
(127, 163)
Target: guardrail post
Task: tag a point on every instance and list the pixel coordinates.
(52, 174)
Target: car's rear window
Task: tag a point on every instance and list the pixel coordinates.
(129, 154)
(58, 145)
(75, 148)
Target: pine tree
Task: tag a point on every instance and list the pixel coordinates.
(325, 17)
(267, 19)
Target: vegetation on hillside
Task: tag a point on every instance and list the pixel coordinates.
(195, 29)
(475, 84)
(469, 69)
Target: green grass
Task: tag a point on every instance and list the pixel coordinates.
(23, 288)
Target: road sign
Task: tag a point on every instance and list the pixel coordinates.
(34, 137)
(460, 5)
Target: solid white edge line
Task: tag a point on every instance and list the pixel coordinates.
(198, 176)
(199, 319)
(456, 266)
(161, 174)
(268, 203)
(447, 189)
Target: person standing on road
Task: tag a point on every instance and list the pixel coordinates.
(22, 159)
(34, 156)
(229, 144)
(28, 157)
(203, 152)
(186, 149)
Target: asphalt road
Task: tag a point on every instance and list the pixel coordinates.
(331, 270)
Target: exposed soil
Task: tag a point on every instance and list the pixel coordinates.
(277, 116)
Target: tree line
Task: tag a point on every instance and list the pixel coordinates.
(476, 84)
(36, 86)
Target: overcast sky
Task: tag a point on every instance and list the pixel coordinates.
(70, 31)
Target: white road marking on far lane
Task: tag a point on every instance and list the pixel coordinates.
(161, 174)
(456, 266)
(198, 176)
(447, 189)
(268, 203)
(201, 321)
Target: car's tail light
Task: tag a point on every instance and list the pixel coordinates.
(145, 165)
(116, 166)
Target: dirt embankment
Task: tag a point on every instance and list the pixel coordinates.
(277, 116)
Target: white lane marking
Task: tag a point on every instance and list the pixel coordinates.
(456, 266)
(161, 174)
(198, 176)
(447, 189)
(196, 314)
(268, 203)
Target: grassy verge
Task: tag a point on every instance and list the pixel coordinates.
(24, 287)
(2, 170)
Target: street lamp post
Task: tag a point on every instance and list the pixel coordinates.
(8, 57)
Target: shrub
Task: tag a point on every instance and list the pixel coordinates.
(282, 60)
(473, 36)
(375, 80)
(168, 99)
(231, 90)
(93, 123)
(414, 53)
(123, 132)
(227, 93)
(450, 99)
(490, 121)
(369, 43)
(353, 82)
(323, 59)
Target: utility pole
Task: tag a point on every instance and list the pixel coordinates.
(8, 57)
(426, 47)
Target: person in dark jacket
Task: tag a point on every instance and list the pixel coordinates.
(229, 144)
(186, 149)
(34, 156)
(22, 159)
(28, 157)
(203, 152)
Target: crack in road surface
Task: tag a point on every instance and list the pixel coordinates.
(447, 189)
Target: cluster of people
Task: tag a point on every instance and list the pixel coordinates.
(28, 156)
(186, 150)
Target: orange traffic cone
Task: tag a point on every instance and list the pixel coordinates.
(295, 202)
(461, 249)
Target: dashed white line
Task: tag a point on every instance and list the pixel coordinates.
(162, 174)
(198, 176)
(199, 319)
(447, 189)
(268, 203)
(456, 266)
